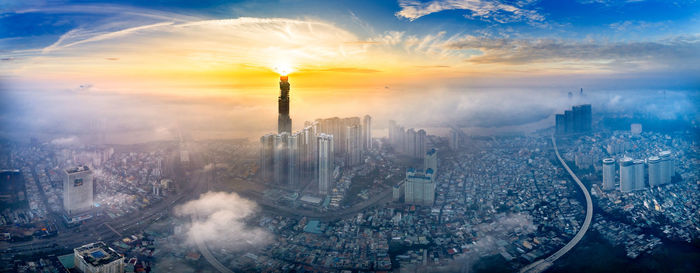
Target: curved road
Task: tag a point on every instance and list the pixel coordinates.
(542, 265)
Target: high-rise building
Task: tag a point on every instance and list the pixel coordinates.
(667, 172)
(293, 166)
(638, 174)
(455, 139)
(98, 258)
(267, 157)
(410, 144)
(654, 163)
(560, 124)
(77, 190)
(608, 174)
(284, 122)
(627, 175)
(325, 163)
(569, 116)
(281, 162)
(430, 161)
(353, 148)
(419, 188)
(421, 142)
(577, 120)
(367, 133)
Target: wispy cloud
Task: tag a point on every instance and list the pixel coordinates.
(478, 9)
(635, 55)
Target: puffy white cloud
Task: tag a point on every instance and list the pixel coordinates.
(219, 220)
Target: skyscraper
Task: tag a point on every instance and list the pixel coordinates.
(654, 163)
(353, 151)
(666, 172)
(77, 190)
(627, 174)
(608, 174)
(430, 160)
(366, 132)
(267, 157)
(324, 166)
(421, 142)
(284, 122)
(638, 174)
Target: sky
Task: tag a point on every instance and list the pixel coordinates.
(200, 64)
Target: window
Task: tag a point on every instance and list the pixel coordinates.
(78, 182)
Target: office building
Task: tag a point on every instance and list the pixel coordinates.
(367, 133)
(560, 124)
(627, 175)
(419, 187)
(77, 190)
(608, 174)
(325, 163)
(98, 258)
(284, 122)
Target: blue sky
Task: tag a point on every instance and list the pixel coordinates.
(621, 39)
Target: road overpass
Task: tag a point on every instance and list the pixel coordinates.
(544, 264)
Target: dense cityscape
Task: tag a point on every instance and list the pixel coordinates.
(349, 136)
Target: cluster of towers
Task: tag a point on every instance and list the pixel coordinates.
(288, 158)
(577, 120)
(408, 142)
(637, 174)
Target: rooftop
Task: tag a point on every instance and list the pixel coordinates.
(78, 169)
(97, 254)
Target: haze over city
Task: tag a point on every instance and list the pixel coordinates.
(329, 136)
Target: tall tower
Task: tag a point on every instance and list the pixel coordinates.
(284, 122)
(77, 190)
(608, 174)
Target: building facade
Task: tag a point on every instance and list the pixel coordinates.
(77, 190)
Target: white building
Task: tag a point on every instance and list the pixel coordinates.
(419, 187)
(608, 174)
(667, 171)
(77, 190)
(654, 163)
(638, 174)
(627, 175)
(98, 258)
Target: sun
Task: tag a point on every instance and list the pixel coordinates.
(283, 68)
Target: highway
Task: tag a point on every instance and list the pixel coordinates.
(542, 265)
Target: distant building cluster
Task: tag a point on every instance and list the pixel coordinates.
(407, 142)
(288, 158)
(577, 120)
(638, 174)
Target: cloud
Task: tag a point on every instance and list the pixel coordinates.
(64, 140)
(478, 9)
(635, 55)
(219, 220)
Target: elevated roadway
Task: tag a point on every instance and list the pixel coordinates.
(544, 264)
